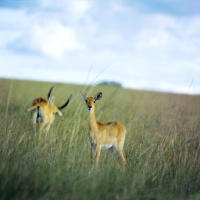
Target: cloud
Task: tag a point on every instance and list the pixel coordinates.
(51, 33)
(49, 38)
(168, 37)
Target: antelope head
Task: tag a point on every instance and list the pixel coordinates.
(90, 101)
(57, 110)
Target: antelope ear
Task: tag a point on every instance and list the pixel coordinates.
(98, 96)
(83, 95)
(51, 100)
(59, 113)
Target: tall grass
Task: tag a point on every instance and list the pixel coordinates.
(162, 146)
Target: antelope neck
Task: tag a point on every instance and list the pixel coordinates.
(92, 121)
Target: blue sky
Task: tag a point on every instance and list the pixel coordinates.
(143, 44)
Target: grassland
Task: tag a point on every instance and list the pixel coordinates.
(162, 146)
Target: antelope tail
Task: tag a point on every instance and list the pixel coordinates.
(32, 108)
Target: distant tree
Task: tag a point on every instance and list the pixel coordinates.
(111, 83)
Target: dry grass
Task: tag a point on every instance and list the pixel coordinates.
(162, 146)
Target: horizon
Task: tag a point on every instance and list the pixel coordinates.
(99, 83)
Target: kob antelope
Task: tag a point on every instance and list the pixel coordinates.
(109, 135)
(43, 111)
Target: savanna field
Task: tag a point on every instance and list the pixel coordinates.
(162, 145)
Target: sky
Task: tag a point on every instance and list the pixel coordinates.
(141, 44)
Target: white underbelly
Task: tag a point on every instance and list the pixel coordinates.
(106, 146)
